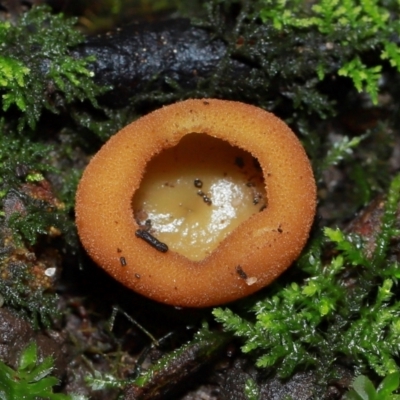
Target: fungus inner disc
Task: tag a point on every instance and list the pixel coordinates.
(194, 194)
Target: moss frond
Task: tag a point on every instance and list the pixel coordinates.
(31, 380)
(323, 319)
(362, 24)
(37, 70)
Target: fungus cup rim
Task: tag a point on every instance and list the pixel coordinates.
(263, 246)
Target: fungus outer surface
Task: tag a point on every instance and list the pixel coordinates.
(248, 258)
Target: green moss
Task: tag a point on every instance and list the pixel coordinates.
(359, 25)
(339, 151)
(30, 214)
(172, 368)
(200, 349)
(297, 54)
(321, 320)
(38, 307)
(37, 71)
(251, 390)
(18, 157)
(28, 165)
(32, 380)
(363, 388)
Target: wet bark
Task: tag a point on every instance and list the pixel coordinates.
(149, 56)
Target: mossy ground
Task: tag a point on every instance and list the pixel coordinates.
(339, 93)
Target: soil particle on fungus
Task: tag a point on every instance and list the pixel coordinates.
(240, 272)
(142, 220)
(140, 216)
(122, 261)
(198, 183)
(207, 200)
(151, 240)
(251, 281)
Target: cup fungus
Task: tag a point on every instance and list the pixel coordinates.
(199, 203)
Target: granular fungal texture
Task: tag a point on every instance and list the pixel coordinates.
(105, 218)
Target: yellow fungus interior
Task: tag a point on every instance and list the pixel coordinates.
(194, 194)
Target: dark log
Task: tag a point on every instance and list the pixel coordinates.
(147, 56)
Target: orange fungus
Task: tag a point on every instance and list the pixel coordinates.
(225, 254)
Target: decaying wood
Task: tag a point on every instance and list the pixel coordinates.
(144, 56)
